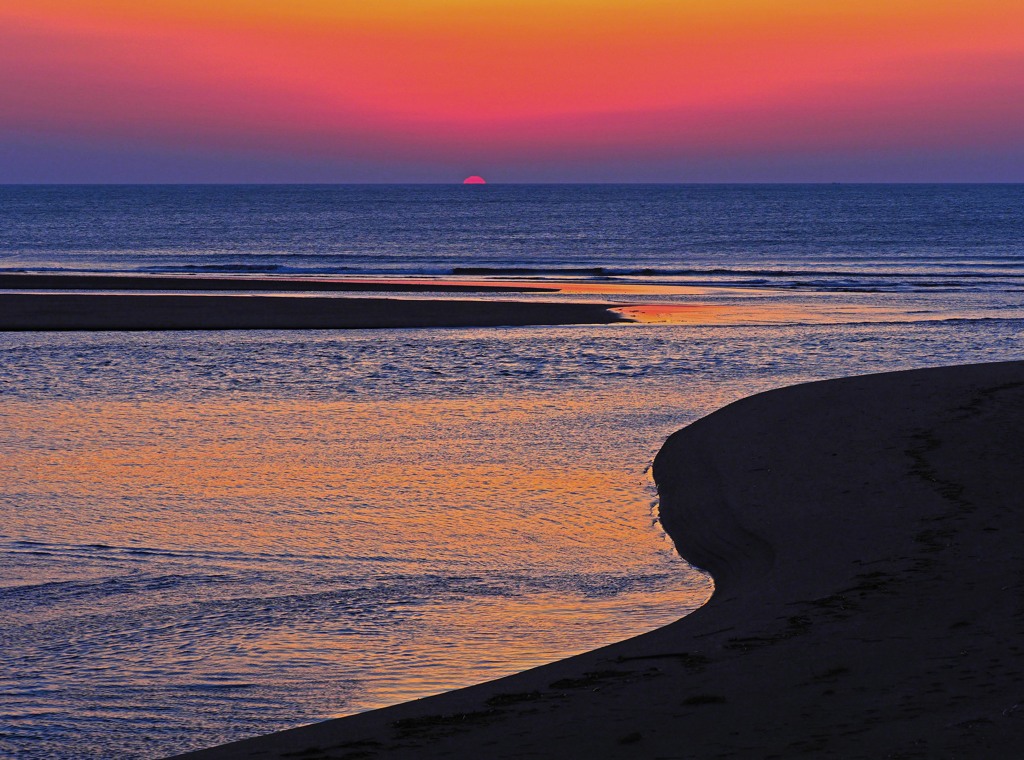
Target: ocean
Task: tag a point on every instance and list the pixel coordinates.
(211, 535)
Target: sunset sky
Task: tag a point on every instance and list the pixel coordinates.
(513, 90)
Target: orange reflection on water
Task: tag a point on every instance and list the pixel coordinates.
(709, 314)
(761, 312)
(460, 479)
(301, 545)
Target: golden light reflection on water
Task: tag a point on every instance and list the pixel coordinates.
(416, 481)
(763, 312)
(328, 557)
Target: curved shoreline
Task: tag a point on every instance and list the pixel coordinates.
(865, 539)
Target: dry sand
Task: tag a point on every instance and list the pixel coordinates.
(865, 536)
(133, 311)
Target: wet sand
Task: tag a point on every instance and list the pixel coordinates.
(865, 538)
(135, 311)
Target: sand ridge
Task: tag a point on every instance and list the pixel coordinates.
(865, 539)
(171, 311)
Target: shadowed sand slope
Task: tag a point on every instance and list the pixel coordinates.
(865, 536)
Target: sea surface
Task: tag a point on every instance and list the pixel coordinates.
(210, 535)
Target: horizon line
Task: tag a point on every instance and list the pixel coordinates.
(459, 183)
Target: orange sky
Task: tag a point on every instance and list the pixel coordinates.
(492, 87)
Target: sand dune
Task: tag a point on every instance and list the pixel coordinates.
(865, 536)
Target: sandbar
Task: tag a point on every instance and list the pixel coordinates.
(166, 311)
(252, 283)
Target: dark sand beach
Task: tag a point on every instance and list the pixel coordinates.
(865, 539)
(134, 311)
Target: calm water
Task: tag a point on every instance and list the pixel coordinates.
(210, 535)
(803, 236)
